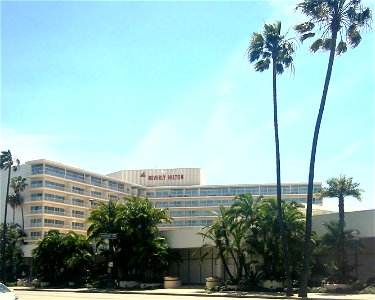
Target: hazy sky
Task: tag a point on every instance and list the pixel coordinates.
(105, 86)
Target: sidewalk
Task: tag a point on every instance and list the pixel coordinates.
(199, 291)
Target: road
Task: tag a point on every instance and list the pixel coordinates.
(30, 294)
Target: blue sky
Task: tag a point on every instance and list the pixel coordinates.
(117, 85)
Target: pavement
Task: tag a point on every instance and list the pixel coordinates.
(201, 292)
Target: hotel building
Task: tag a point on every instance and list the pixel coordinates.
(60, 196)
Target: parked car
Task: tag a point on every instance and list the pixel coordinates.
(7, 293)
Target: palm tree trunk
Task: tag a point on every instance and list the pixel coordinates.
(5, 230)
(23, 219)
(278, 186)
(341, 249)
(14, 213)
(307, 248)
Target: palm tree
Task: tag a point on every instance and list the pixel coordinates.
(340, 188)
(6, 163)
(13, 200)
(19, 184)
(332, 242)
(264, 48)
(340, 22)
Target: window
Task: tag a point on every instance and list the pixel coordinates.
(37, 169)
(36, 209)
(77, 225)
(55, 198)
(191, 192)
(78, 190)
(78, 213)
(36, 196)
(96, 194)
(36, 183)
(78, 202)
(75, 176)
(96, 181)
(35, 221)
(55, 185)
(55, 171)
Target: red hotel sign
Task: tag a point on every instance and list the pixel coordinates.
(163, 177)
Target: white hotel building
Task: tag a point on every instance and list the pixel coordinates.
(60, 196)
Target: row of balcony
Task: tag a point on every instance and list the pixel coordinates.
(58, 213)
(60, 226)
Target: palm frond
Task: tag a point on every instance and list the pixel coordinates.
(262, 65)
(316, 45)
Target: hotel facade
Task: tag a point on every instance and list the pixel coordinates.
(61, 197)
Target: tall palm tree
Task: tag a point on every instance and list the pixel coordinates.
(13, 203)
(271, 46)
(340, 22)
(19, 184)
(7, 163)
(340, 188)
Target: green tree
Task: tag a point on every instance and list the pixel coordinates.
(333, 242)
(48, 256)
(340, 22)
(18, 185)
(248, 233)
(142, 250)
(13, 252)
(137, 250)
(13, 201)
(7, 163)
(62, 257)
(266, 48)
(78, 257)
(340, 188)
(107, 218)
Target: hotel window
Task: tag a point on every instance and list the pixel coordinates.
(37, 169)
(36, 183)
(177, 193)
(55, 185)
(236, 190)
(55, 171)
(77, 225)
(75, 176)
(35, 221)
(55, 198)
(191, 192)
(78, 202)
(302, 189)
(35, 234)
(162, 194)
(78, 213)
(36, 209)
(36, 196)
(285, 190)
(121, 187)
(316, 188)
(96, 194)
(96, 181)
(78, 190)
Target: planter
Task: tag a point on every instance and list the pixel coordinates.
(336, 286)
(272, 284)
(129, 284)
(44, 284)
(213, 282)
(20, 282)
(232, 287)
(150, 285)
(172, 282)
(71, 283)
